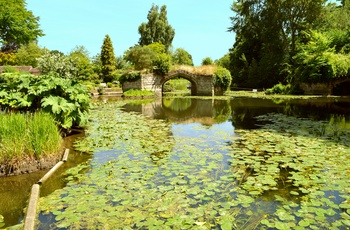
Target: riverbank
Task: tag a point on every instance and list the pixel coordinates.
(29, 142)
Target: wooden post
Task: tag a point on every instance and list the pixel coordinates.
(49, 173)
(29, 223)
(65, 156)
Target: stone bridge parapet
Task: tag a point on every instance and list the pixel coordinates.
(201, 84)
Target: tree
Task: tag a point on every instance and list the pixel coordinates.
(143, 57)
(58, 63)
(82, 63)
(27, 55)
(224, 61)
(108, 60)
(18, 26)
(207, 61)
(182, 57)
(157, 29)
(267, 33)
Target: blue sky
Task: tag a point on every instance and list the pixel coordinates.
(200, 26)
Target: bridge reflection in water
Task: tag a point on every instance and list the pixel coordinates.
(240, 111)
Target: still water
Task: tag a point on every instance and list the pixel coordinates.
(186, 115)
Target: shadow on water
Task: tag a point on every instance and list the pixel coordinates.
(15, 190)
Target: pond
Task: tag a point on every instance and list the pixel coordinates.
(191, 163)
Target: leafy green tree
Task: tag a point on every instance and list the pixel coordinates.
(157, 29)
(108, 60)
(224, 61)
(18, 26)
(81, 60)
(144, 57)
(267, 34)
(318, 61)
(140, 57)
(27, 55)
(182, 57)
(207, 61)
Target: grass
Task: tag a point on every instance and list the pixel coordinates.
(138, 93)
(202, 70)
(24, 136)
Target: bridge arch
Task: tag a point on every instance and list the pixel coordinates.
(181, 74)
(201, 84)
(341, 87)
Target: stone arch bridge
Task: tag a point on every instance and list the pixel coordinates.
(201, 84)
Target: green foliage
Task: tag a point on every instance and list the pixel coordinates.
(137, 93)
(279, 89)
(108, 60)
(2, 222)
(141, 57)
(148, 57)
(176, 85)
(157, 29)
(318, 62)
(161, 64)
(182, 57)
(27, 55)
(57, 63)
(31, 135)
(267, 35)
(207, 61)
(82, 63)
(9, 69)
(66, 99)
(222, 77)
(224, 61)
(7, 59)
(18, 26)
(130, 76)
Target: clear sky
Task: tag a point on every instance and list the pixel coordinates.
(200, 26)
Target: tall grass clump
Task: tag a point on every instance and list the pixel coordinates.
(28, 136)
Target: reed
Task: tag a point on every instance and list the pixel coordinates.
(28, 135)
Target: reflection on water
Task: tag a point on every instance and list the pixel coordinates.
(241, 112)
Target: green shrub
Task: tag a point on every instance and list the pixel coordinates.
(161, 64)
(130, 76)
(222, 78)
(66, 99)
(278, 89)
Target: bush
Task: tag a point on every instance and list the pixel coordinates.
(130, 76)
(277, 89)
(161, 64)
(66, 99)
(222, 78)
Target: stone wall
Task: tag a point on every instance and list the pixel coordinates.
(201, 85)
(317, 88)
(28, 69)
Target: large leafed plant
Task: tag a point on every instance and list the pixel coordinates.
(66, 99)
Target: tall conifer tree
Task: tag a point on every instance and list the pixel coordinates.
(108, 60)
